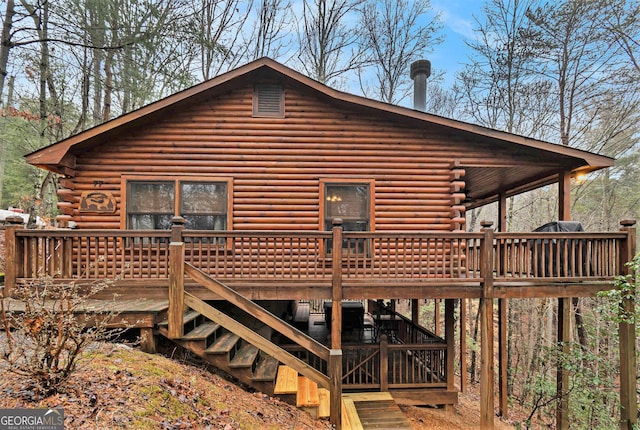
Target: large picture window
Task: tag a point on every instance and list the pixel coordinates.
(351, 201)
(204, 204)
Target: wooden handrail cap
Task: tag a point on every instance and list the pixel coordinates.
(337, 222)
(628, 222)
(486, 224)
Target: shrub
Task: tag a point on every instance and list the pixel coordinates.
(48, 332)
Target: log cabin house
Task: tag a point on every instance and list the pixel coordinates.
(220, 206)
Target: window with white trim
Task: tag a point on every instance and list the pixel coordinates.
(152, 203)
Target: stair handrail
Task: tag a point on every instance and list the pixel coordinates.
(256, 340)
(257, 311)
(406, 320)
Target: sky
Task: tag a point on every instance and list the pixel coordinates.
(457, 18)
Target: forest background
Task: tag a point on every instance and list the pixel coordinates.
(567, 72)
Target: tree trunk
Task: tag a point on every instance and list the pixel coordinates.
(5, 43)
(108, 87)
(582, 337)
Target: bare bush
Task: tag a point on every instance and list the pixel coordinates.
(48, 331)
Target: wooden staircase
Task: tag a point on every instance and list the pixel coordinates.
(302, 392)
(253, 367)
(230, 344)
(226, 351)
(314, 400)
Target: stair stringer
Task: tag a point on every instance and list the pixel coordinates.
(255, 339)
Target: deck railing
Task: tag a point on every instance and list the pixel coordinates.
(563, 256)
(386, 366)
(294, 258)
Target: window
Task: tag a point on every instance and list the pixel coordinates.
(350, 201)
(204, 204)
(150, 205)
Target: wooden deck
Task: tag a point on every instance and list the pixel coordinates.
(291, 265)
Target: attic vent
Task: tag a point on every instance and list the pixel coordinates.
(268, 100)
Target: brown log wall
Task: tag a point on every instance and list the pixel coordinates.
(276, 164)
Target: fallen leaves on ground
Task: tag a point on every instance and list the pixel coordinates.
(120, 387)
(463, 416)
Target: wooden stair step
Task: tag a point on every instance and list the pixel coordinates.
(245, 356)
(368, 396)
(308, 395)
(350, 418)
(287, 381)
(202, 332)
(267, 369)
(224, 344)
(188, 317)
(324, 409)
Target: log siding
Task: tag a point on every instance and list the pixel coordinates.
(276, 164)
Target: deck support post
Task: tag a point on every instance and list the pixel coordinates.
(384, 363)
(564, 314)
(503, 334)
(12, 254)
(436, 316)
(147, 340)
(463, 345)
(415, 317)
(564, 339)
(503, 306)
(627, 334)
(449, 330)
(487, 377)
(335, 358)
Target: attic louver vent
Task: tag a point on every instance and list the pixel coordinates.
(268, 100)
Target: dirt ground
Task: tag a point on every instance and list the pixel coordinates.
(465, 416)
(120, 387)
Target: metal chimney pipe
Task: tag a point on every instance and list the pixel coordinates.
(420, 71)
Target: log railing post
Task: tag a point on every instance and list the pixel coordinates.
(627, 334)
(487, 376)
(487, 259)
(13, 254)
(176, 280)
(335, 367)
(177, 226)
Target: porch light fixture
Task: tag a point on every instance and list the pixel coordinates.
(580, 178)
